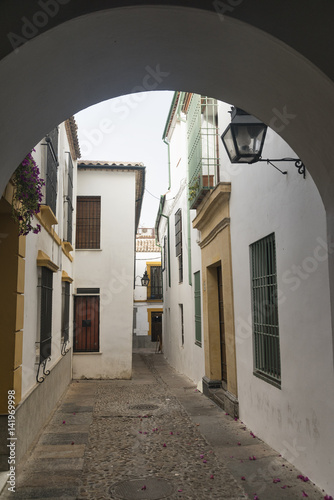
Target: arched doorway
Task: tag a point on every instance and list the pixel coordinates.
(105, 53)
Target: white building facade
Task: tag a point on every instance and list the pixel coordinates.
(148, 307)
(105, 256)
(39, 271)
(263, 256)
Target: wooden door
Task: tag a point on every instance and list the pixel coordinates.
(156, 324)
(86, 324)
(221, 325)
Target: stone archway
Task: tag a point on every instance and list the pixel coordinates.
(75, 61)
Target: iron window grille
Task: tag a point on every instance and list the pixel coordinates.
(69, 200)
(88, 222)
(155, 285)
(182, 324)
(203, 147)
(45, 337)
(198, 311)
(265, 310)
(66, 295)
(86, 331)
(178, 242)
(51, 169)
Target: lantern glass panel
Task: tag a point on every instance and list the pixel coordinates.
(229, 144)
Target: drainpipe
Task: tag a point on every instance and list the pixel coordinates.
(168, 252)
(169, 172)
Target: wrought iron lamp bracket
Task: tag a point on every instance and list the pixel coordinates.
(298, 164)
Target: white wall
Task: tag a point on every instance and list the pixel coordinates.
(112, 270)
(189, 358)
(44, 242)
(297, 420)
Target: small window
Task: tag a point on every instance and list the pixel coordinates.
(51, 170)
(155, 285)
(68, 227)
(88, 222)
(265, 310)
(178, 243)
(182, 324)
(65, 312)
(198, 309)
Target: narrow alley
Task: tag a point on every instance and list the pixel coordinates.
(152, 437)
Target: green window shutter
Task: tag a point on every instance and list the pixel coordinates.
(265, 310)
(198, 314)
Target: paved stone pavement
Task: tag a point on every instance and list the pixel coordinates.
(152, 437)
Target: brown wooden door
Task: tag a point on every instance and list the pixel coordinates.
(86, 324)
(221, 324)
(156, 324)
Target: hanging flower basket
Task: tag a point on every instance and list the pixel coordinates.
(27, 195)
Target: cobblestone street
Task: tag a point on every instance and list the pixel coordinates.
(152, 437)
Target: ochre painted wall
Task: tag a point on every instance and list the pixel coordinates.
(12, 265)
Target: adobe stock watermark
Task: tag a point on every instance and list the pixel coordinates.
(225, 7)
(290, 453)
(122, 108)
(31, 27)
(294, 276)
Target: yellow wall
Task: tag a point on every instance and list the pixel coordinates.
(149, 317)
(213, 221)
(12, 265)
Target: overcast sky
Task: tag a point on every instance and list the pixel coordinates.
(129, 129)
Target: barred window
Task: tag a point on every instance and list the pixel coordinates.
(46, 313)
(65, 311)
(88, 222)
(155, 286)
(178, 242)
(265, 310)
(51, 170)
(69, 202)
(198, 311)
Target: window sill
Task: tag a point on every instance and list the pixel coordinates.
(269, 380)
(88, 249)
(88, 352)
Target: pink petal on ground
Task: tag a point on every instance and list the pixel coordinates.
(179, 491)
(254, 458)
(327, 497)
(256, 497)
(143, 487)
(305, 494)
(164, 445)
(64, 422)
(201, 456)
(74, 413)
(72, 442)
(243, 478)
(204, 461)
(171, 433)
(239, 444)
(277, 480)
(212, 476)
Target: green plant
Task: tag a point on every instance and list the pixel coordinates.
(27, 195)
(193, 189)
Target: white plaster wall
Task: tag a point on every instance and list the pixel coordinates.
(297, 420)
(189, 358)
(111, 269)
(45, 243)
